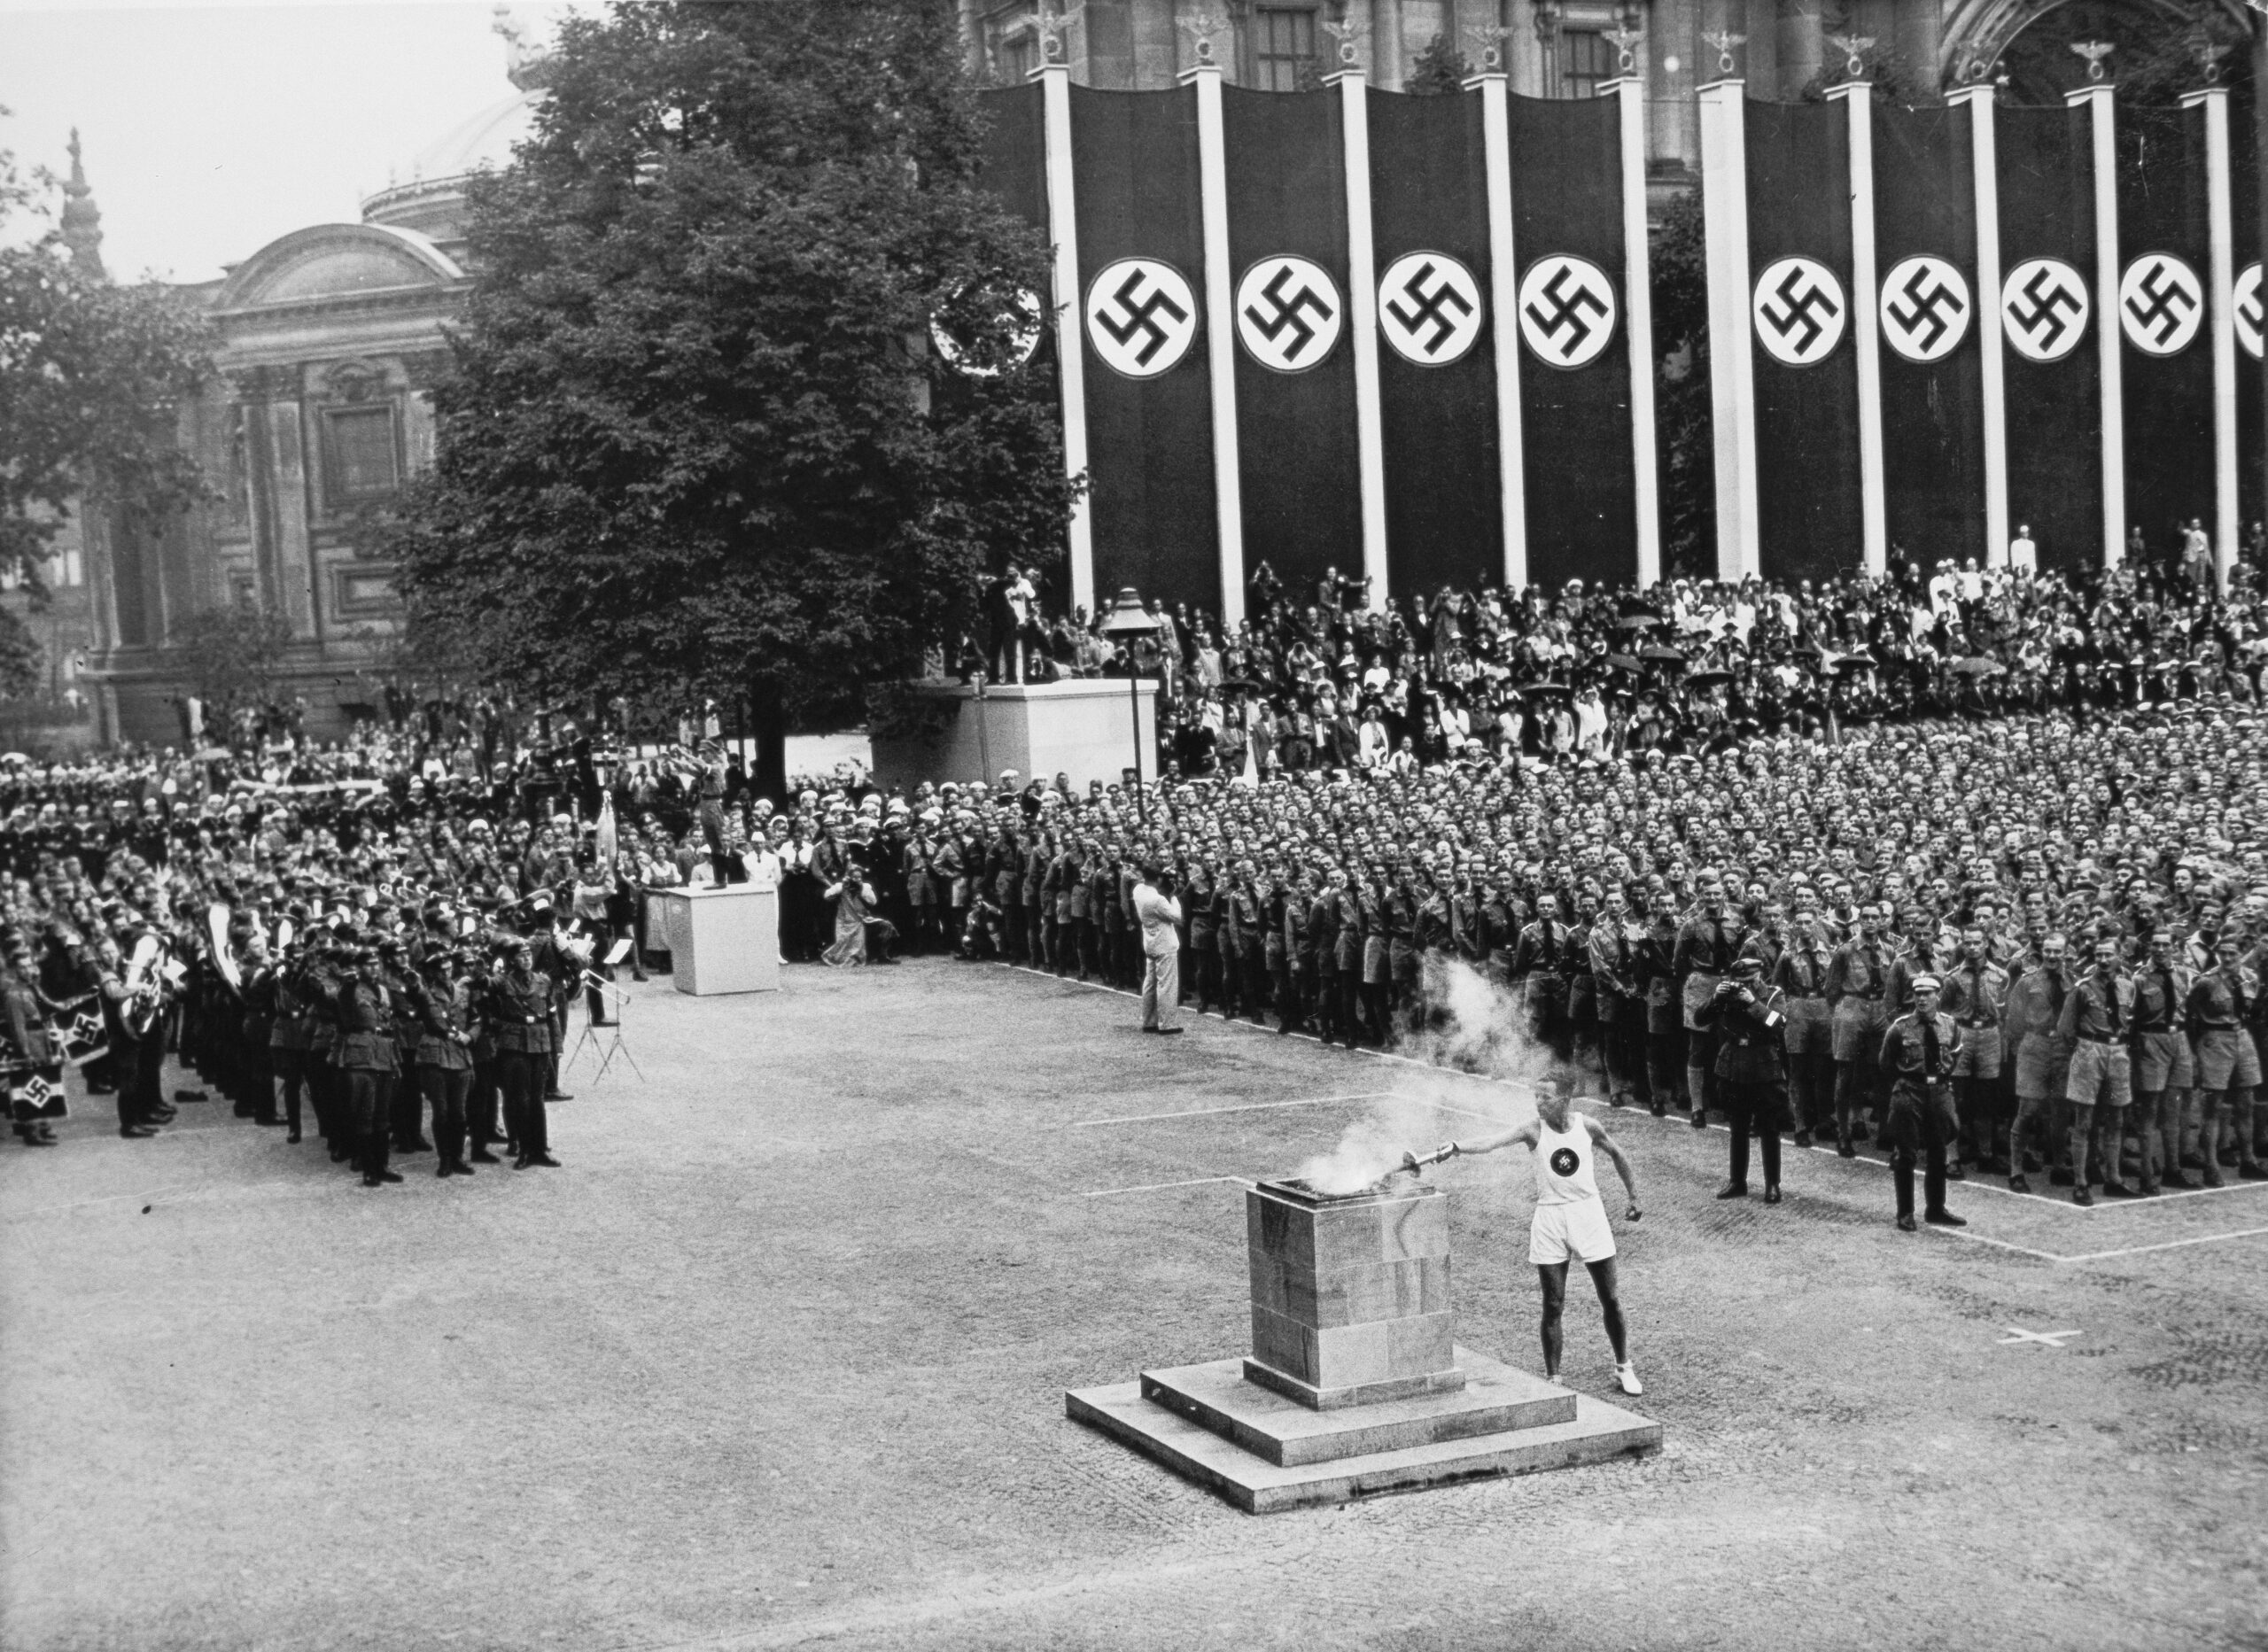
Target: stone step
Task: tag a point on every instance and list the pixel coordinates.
(1495, 1399)
(1599, 1432)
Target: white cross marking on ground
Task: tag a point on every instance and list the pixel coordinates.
(2050, 1338)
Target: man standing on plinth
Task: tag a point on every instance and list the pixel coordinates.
(1159, 913)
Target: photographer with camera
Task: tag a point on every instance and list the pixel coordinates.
(1748, 1019)
(1159, 914)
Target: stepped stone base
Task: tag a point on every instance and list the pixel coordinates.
(1264, 1451)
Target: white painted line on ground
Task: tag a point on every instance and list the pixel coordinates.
(2046, 1339)
(1248, 1107)
(2169, 1245)
(1160, 1187)
(1999, 1244)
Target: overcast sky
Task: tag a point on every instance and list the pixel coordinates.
(208, 131)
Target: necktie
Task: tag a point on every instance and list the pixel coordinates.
(1929, 1046)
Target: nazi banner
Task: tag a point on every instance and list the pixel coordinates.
(1924, 308)
(2247, 303)
(1566, 310)
(2160, 304)
(1141, 316)
(1799, 310)
(1288, 312)
(1429, 308)
(2044, 309)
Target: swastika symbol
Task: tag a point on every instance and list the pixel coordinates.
(1141, 316)
(2246, 303)
(1924, 308)
(1566, 310)
(1141, 312)
(1426, 307)
(2044, 304)
(1284, 312)
(1564, 1163)
(1288, 313)
(1799, 310)
(1429, 308)
(2160, 304)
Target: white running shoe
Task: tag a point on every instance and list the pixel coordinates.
(1626, 1375)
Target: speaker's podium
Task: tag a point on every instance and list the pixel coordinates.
(723, 940)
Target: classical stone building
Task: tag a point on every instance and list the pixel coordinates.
(330, 345)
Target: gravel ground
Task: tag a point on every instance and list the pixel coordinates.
(778, 1358)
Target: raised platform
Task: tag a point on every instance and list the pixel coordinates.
(1264, 1453)
(1084, 729)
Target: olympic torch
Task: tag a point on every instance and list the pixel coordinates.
(1414, 1164)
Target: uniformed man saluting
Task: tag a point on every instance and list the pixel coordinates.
(1918, 1054)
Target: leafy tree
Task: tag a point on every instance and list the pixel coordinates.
(697, 443)
(233, 655)
(1440, 68)
(87, 372)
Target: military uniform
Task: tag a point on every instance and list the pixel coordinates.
(1919, 1053)
(1748, 1020)
(518, 1009)
(2227, 1064)
(1858, 981)
(1975, 995)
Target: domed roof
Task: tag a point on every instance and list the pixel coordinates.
(485, 141)
(431, 200)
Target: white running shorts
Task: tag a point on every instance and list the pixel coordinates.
(1578, 1229)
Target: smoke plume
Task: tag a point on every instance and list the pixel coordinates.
(1476, 1026)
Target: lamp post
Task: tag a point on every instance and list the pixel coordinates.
(1127, 620)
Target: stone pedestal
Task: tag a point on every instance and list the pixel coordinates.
(1350, 1297)
(723, 940)
(1084, 728)
(1355, 1384)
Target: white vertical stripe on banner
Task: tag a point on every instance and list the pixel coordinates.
(2099, 105)
(1503, 323)
(1362, 318)
(1732, 361)
(1629, 93)
(1070, 352)
(1220, 335)
(2221, 284)
(1858, 100)
(1984, 147)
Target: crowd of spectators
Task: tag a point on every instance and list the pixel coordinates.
(1547, 790)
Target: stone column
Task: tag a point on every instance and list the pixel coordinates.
(2099, 102)
(1503, 323)
(1070, 348)
(1856, 99)
(1363, 326)
(2220, 285)
(1984, 152)
(1629, 93)
(1220, 336)
(1732, 365)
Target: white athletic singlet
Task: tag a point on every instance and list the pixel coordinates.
(1563, 1163)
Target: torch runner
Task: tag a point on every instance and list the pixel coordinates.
(1570, 1217)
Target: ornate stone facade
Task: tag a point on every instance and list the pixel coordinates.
(330, 344)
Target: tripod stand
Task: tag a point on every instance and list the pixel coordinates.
(613, 1046)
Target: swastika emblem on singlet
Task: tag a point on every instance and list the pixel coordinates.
(1565, 1162)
